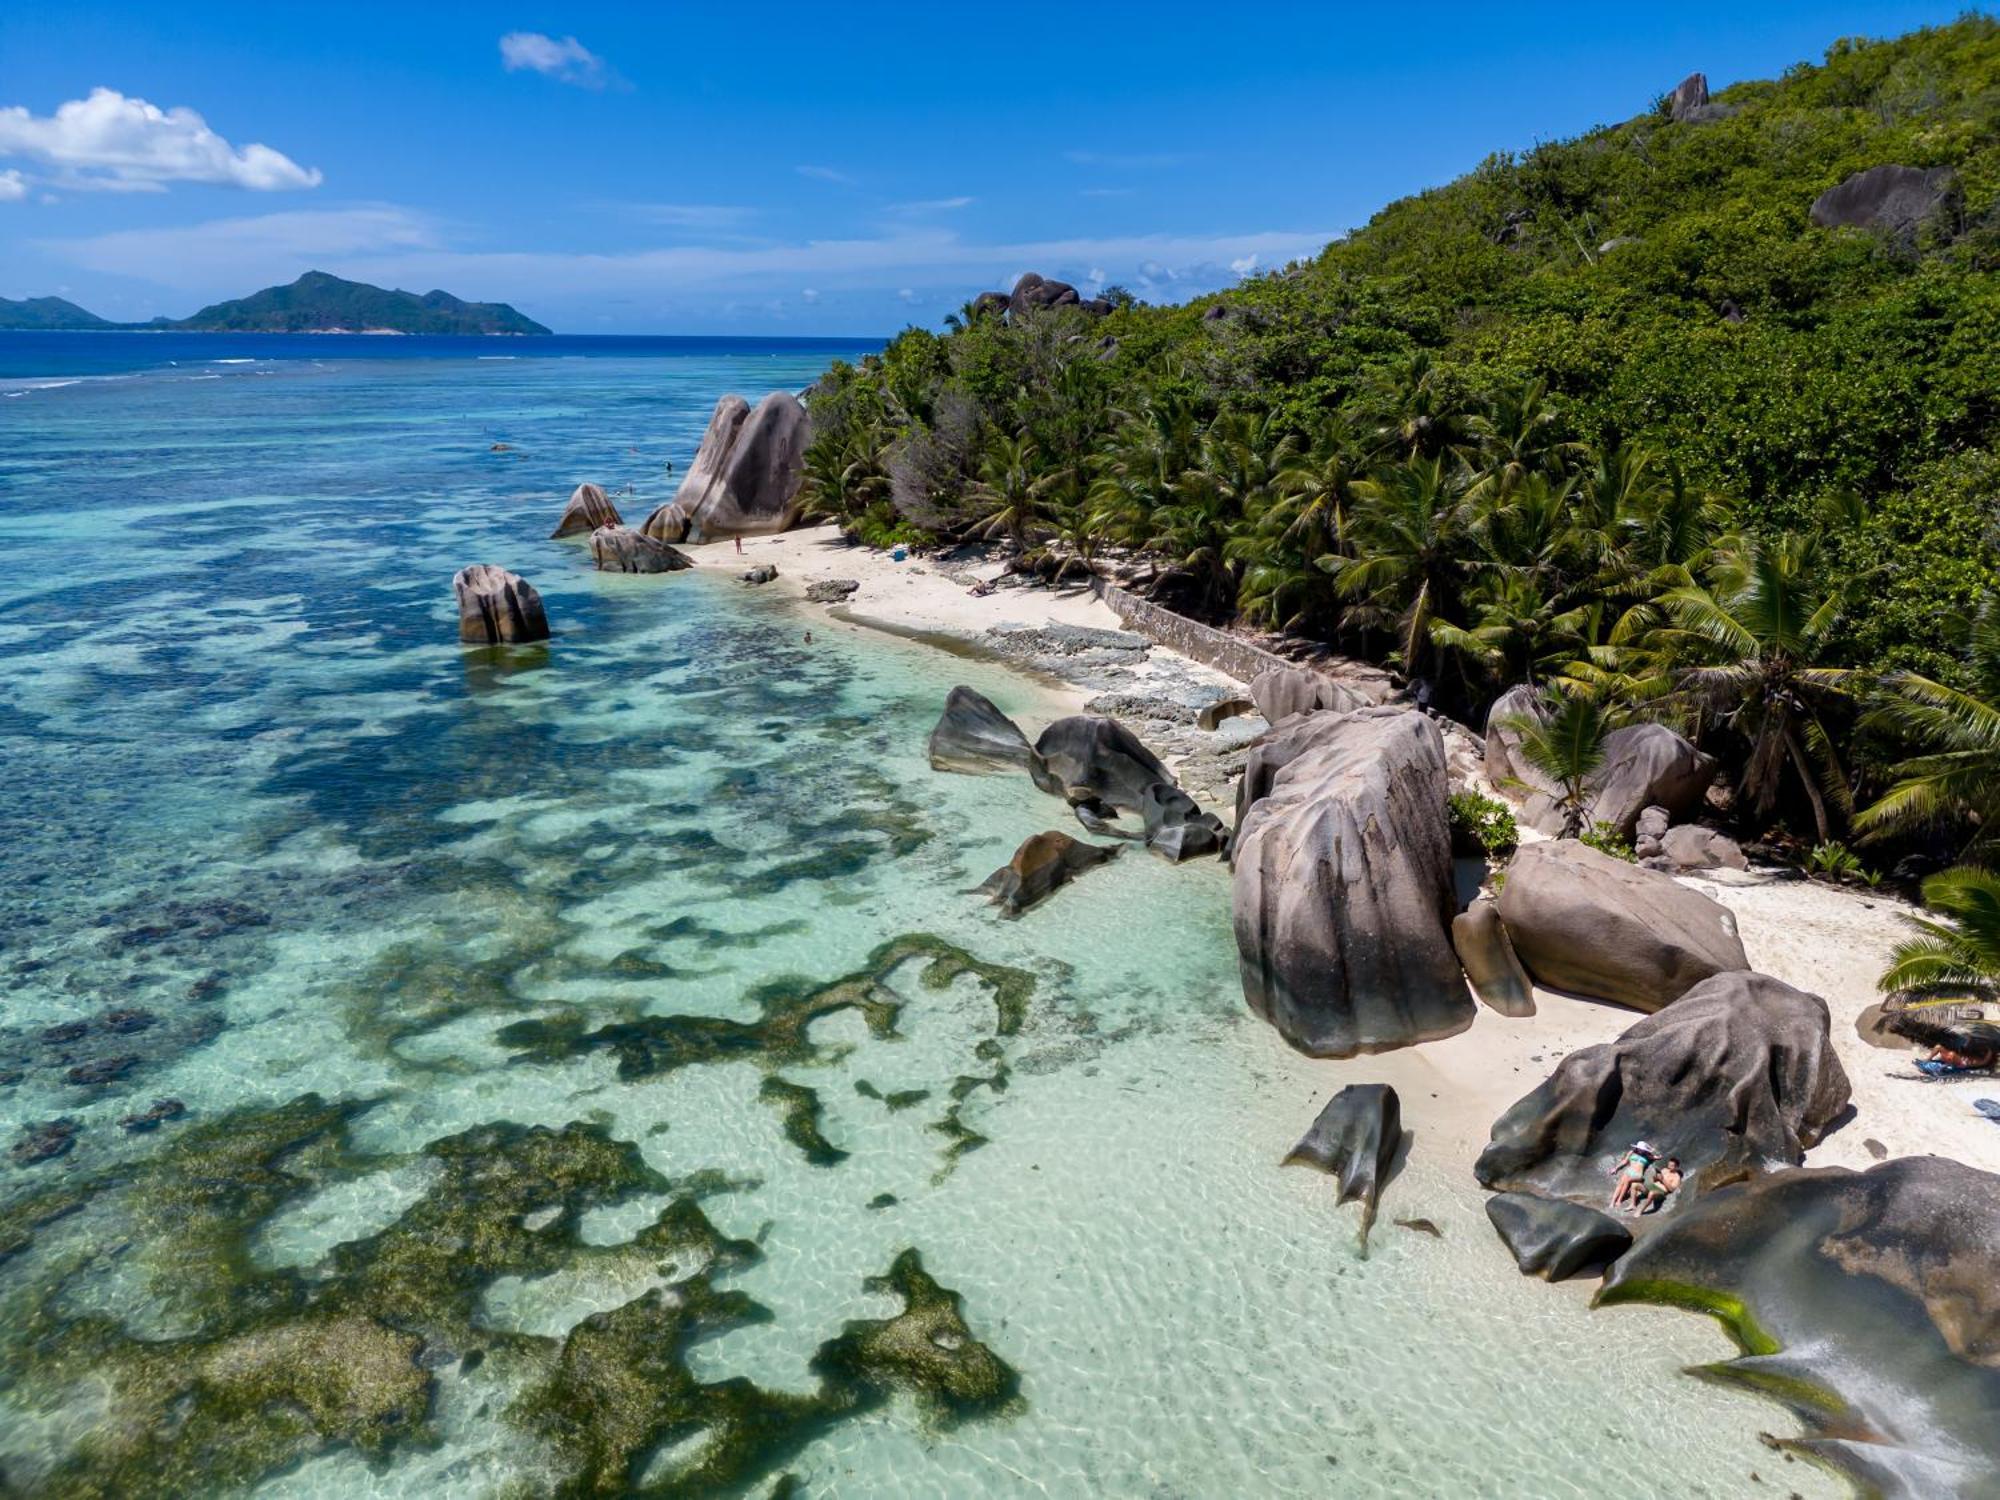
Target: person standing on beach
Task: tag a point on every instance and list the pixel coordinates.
(739, 546)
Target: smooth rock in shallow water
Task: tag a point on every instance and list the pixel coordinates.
(762, 573)
(1480, 939)
(1894, 198)
(975, 737)
(1176, 827)
(745, 477)
(1867, 1302)
(161, 1109)
(1343, 893)
(667, 523)
(1280, 692)
(831, 590)
(1553, 1238)
(1043, 863)
(496, 607)
(1737, 1075)
(43, 1140)
(1355, 1139)
(1594, 925)
(619, 549)
(1088, 758)
(589, 508)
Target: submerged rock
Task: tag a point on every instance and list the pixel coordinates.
(496, 607)
(1867, 1302)
(745, 477)
(1355, 1139)
(589, 508)
(1043, 863)
(1735, 1076)
(927, 1350)
(1344, 895)
(1589, 923)
(619, 549)
(42, 1141)
(1087, 758)
(1480, 939)
(151, 1118)
(1553, 1238)
(975, 737)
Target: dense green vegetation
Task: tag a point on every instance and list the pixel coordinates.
(1613, 416)
(315, 303)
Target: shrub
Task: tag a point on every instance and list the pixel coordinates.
(1482, 825)
(1606, 839)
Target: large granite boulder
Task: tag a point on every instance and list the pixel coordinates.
(1032, 293)
(496, 607)
(1284, 744)
(1343, 891)
(1554, 1238)
(589, 508)
(1689, 96)
(1355, 1140)
(1506, 767)
(975, 737)
(1280, 692)
(745, 477)
(620, 549)
(1589, 923)
(1868, 1302)
(667, 523)
(1892, 198)
(1491, 965)
(1645, 765)
(1692, 847)
(1086, 758)
(1044, 862)
(1176, 826)
(989, 305)
(1739, 1075)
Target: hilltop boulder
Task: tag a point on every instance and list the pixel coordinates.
(1043, 863)
(1032, 293)
(1343, 892)
(620, 549)
(745, 478)
(1871, 1302)
(1736, 1076)
(1355, 1140)
(496, 607)
(1689, 95)
(1892, 198)
(1594, 925)
(589, 508)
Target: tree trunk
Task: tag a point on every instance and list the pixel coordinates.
(1798, 755)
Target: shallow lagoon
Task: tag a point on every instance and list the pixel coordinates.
(258, 791)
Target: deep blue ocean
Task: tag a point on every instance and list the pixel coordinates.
(483, 1073)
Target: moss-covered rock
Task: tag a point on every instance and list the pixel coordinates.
(799, 1108)
(926, 1349)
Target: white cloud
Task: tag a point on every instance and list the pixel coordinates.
(226, 253)
(906, 294)
(1243, 265)
(709, 216)
(13, 187)
(566, 60)
(110, 142)
(809, 296)
(932, 205)
(824, 174)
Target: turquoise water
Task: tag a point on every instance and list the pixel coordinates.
(380, 894)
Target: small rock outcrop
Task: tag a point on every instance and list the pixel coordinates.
(667, 523)
(762, 573)
(745, 477)
(1692, 847)
(1869, 1302)
(1280, 692)
(1497, 978)
(1645, 765)
(1896, 199)
(974, 737)
(1212, 716)
(496, 607)
(1355, 1140)
(1032, 293)
(620, 549)
(1736, 1076)
(1176, 827)
(831, 590)
(1553, 1238)
(1343, 892)
(1043, 863)
(1594, 925)
(1689, 95)
(1090, 759)
(589, 508)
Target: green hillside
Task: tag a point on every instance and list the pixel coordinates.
(317, 302)
(1515, 425)
(47, 313)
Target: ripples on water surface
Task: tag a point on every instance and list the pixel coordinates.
(632, 980)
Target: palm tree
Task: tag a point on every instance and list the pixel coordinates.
(1765, 622)
(1422, 417)
(1957, 777)
(1566, 744)
(1962, 954)
(1517, 437)
(1408, 531)
(1521, 632)
(1009, 482)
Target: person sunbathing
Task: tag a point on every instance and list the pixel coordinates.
(1630, 1173)
(1660, 1184)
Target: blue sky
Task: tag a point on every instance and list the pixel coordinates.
(682, 168)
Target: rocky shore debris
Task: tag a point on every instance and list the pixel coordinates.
(43, 1141)
(619, 549)
(1044, 863)
(1591, 924)
(831, 590)
(1344, 890)
(589, 509)
(496, 607)
(1355, 1139)
(744, 480)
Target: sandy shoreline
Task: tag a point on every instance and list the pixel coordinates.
(1832, 941)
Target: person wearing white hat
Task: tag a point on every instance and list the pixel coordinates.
(1630, 1174)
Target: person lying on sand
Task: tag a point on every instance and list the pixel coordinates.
(1630, 1174)
(1660, 1184)
(1944, 1059)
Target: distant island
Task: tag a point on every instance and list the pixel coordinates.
(315, 303)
